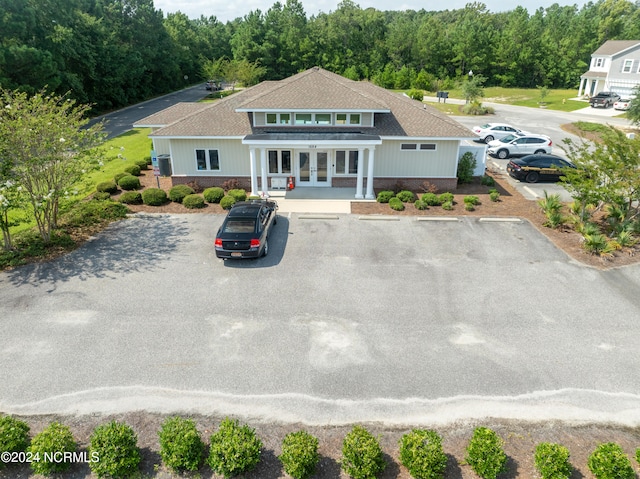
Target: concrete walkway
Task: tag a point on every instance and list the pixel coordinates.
(314, 200)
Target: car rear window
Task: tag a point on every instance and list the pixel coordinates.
(240, 226)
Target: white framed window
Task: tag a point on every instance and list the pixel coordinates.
(304, 118)
(346, 162)
(428, 146)
(418, 146)
(627, 65)
(207, 160)
(279, 162)
(599, 62)
(278, 118)
(352, 119)
(409, 146)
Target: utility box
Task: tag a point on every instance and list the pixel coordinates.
(164, 164)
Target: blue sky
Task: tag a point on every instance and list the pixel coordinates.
(226, 10)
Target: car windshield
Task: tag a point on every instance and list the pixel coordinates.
(486, 126)
(240, 225)
(508, 138)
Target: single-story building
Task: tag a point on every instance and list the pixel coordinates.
(317, 129)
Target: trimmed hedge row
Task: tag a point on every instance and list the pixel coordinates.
(235, 449)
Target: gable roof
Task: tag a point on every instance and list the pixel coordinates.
(314, 89)
(615, 47)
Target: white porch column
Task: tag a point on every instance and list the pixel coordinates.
(370, 195)
(254, 175)
(360, 172)
(263, 167)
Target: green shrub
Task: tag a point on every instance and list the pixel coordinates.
(494, 195)
(234, 449)
(86, 213)
(108, 186)
(299, 454)
(552, 461)
(213, 194)
(101, 196)
(469, 207)
(466, 167)
(447, 205)
(54, 440)
(385, 196)
(178, 192)
(638, 455)
(131, 198)
(422, 454)
(487, 180)
(118, 176)
(154, 196)
(238, 193)
(421, 205)
(142, 164)
(227, 202)
(406, 196)
(133, 170)
(14, 436)
(471, 200)
(431, 199)
(129, 183)
(416, 94)
(485, 453)
(361, 454)
(396, 204)
(180, 445)
(193, 201)
(444, 197)
(609, 461)
(115, 445)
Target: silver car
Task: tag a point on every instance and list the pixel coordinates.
(513, 145)
(494, 131)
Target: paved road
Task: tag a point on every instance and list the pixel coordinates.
(346, 320)
(121, 121)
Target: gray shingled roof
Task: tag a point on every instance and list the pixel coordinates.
(315, 89)
(613, 47)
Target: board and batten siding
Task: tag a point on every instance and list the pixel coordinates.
(391, 161)
(234, 157)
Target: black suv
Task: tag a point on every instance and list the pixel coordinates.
(532, 168)
(245, 231)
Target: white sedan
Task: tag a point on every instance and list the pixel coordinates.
(495, 131)
(622, 104)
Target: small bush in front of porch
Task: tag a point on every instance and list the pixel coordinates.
(471, 200)
(431, 199)
(131, 198)
(108, 186)
(421, 205)
(447, 205)
(129, 182)
(227, 202)
(133, 170)
(406, 196)
(487, 180)
(396, 204)
(178, 193)
(445, 198)
(154, 196)
(385, 196)
(238, 194)
(193, 201)
(213, 194)
(494, 195)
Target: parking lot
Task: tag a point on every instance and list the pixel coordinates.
(347, 319)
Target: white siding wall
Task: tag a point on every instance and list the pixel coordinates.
(390, 161)
(234, 157)
(162, 146)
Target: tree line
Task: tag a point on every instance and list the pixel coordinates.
(112, 53)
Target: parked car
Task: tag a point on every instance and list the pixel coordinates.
(604, 99)
(532, 168)
(622, 104)
(513, 145)
(494, 131)
(245, 231)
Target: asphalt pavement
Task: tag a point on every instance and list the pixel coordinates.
(349, 319)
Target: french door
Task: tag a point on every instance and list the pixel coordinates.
(313, 168)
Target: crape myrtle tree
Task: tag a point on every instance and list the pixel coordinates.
(607, 174)
(46, 147)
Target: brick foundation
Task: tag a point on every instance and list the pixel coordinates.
(413, 184)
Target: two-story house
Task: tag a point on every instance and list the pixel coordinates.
(615, 66)
(317, 129)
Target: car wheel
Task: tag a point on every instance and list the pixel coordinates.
(540, 152)
(502, 154)
(265, 251)
(488, 138)
(275, 220)
(532, 177)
